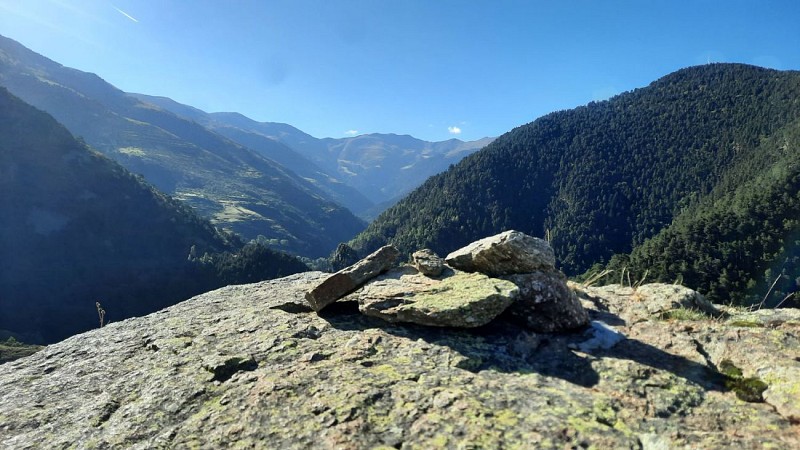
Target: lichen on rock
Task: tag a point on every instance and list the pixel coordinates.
(254, 366)
(457, 299)
(506, 253)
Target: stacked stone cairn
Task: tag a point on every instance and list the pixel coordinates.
(511, 274)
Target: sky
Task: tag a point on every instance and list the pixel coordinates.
(434, 69)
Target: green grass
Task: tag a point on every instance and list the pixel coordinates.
(12, 349)
(746, 323)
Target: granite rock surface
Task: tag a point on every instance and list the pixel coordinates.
(253, 366)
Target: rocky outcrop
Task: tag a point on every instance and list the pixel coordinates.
(343, 256)
(460, 299)
(659, 298)
(507, 253)
(650, 300)
(249, 366)
(350, 278)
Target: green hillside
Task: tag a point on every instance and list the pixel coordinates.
(599, 180)
(268, 147)
(741, 240)
(232, 185)
(365, 173)
(76, 228)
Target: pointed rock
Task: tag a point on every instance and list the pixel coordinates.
(545, 304)
(350, 278)
(458, 299)
(506, 253)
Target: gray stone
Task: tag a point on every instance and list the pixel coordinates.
(428, 263)
(458, 299)
(655, 300)
(660, 298)
(350, 278)
(545, 303)
(506, 253)
(294, 379)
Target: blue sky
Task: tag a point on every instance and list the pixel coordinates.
(435, 69)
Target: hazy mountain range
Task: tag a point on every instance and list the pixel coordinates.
(379, 167)
(223, 165)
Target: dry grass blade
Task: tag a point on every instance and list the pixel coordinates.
(641, 282)
(761, 305)
(596, 277)
(784, 300)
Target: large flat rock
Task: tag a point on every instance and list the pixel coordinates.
(456, 299)
(253, 367)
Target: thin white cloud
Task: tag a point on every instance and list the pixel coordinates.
(454, 130)
(125, 14)
(351, 132)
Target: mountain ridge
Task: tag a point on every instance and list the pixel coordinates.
(227, 182)
(269, 148)
(382, 167)
(77, 229)
(600, 179)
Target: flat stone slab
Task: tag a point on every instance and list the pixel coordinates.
(350, 278)
(458, 299)
(506, 253)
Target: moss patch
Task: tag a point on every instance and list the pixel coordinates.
(749, 389)
(746, 324)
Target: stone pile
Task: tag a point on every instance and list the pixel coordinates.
(511, 274)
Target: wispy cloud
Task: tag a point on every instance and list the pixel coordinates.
(454, 130)
(125, 14)
(351, 132)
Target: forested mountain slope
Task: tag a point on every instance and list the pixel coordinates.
(600, 179)
(741, 242)
(76, 228)
(232, 185)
